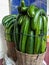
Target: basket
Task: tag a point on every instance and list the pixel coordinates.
(11, 52)
(28, 59)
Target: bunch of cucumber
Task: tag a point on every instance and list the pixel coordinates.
(29, 28)
(8, 22)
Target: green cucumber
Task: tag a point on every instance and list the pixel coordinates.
(10, 23)
(8, 33)
(16, 35)
(32, 10)
(38, 13)
(4, 18)
(30, 43)
(7, 17)
(24, 30)
(44, 38)
(37, 37)
(22, 3)
(20, 20)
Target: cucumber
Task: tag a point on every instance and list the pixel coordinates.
(30, 43)
(10, 23)
(16, 36)
(38, 13)
(37, 37)
(24, 30)
(7, 17)
(32, 11)
(17, 31)
(8, 33)
(22, 3)
(44, 38)
(20, 20)
(4, 18)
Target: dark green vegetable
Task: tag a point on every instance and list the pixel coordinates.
(37, 33)
(32, 10)
(24, 30)
(30, 43)
(44, 38)
(8, 33)
(8, 18)
(10, 23)
(38, 13)
(22, 3)
(22, 9)
(20, 20)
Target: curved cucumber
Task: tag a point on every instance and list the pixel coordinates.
(38, 13)
(4, 19)
(10, 23)
(7, 17)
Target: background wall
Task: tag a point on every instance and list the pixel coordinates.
(4, 10)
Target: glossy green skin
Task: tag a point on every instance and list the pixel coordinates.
(44, 38)
(20, 20)
(30, 43)
(22, 9)
(8, 18)
(16, 31)
(38, 38)
(8, 22)
(24, 30)
(22, 3)
(8, 33)
(32, 10)
(34, 22)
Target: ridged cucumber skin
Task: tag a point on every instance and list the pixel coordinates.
(30, 43)
(8, 20)
(21, 35)
(44, 38)
(10, 23)
(37, 37)
(7, 17)
(4, 19)
(8, 33)
(38, 13)
(24, 30)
